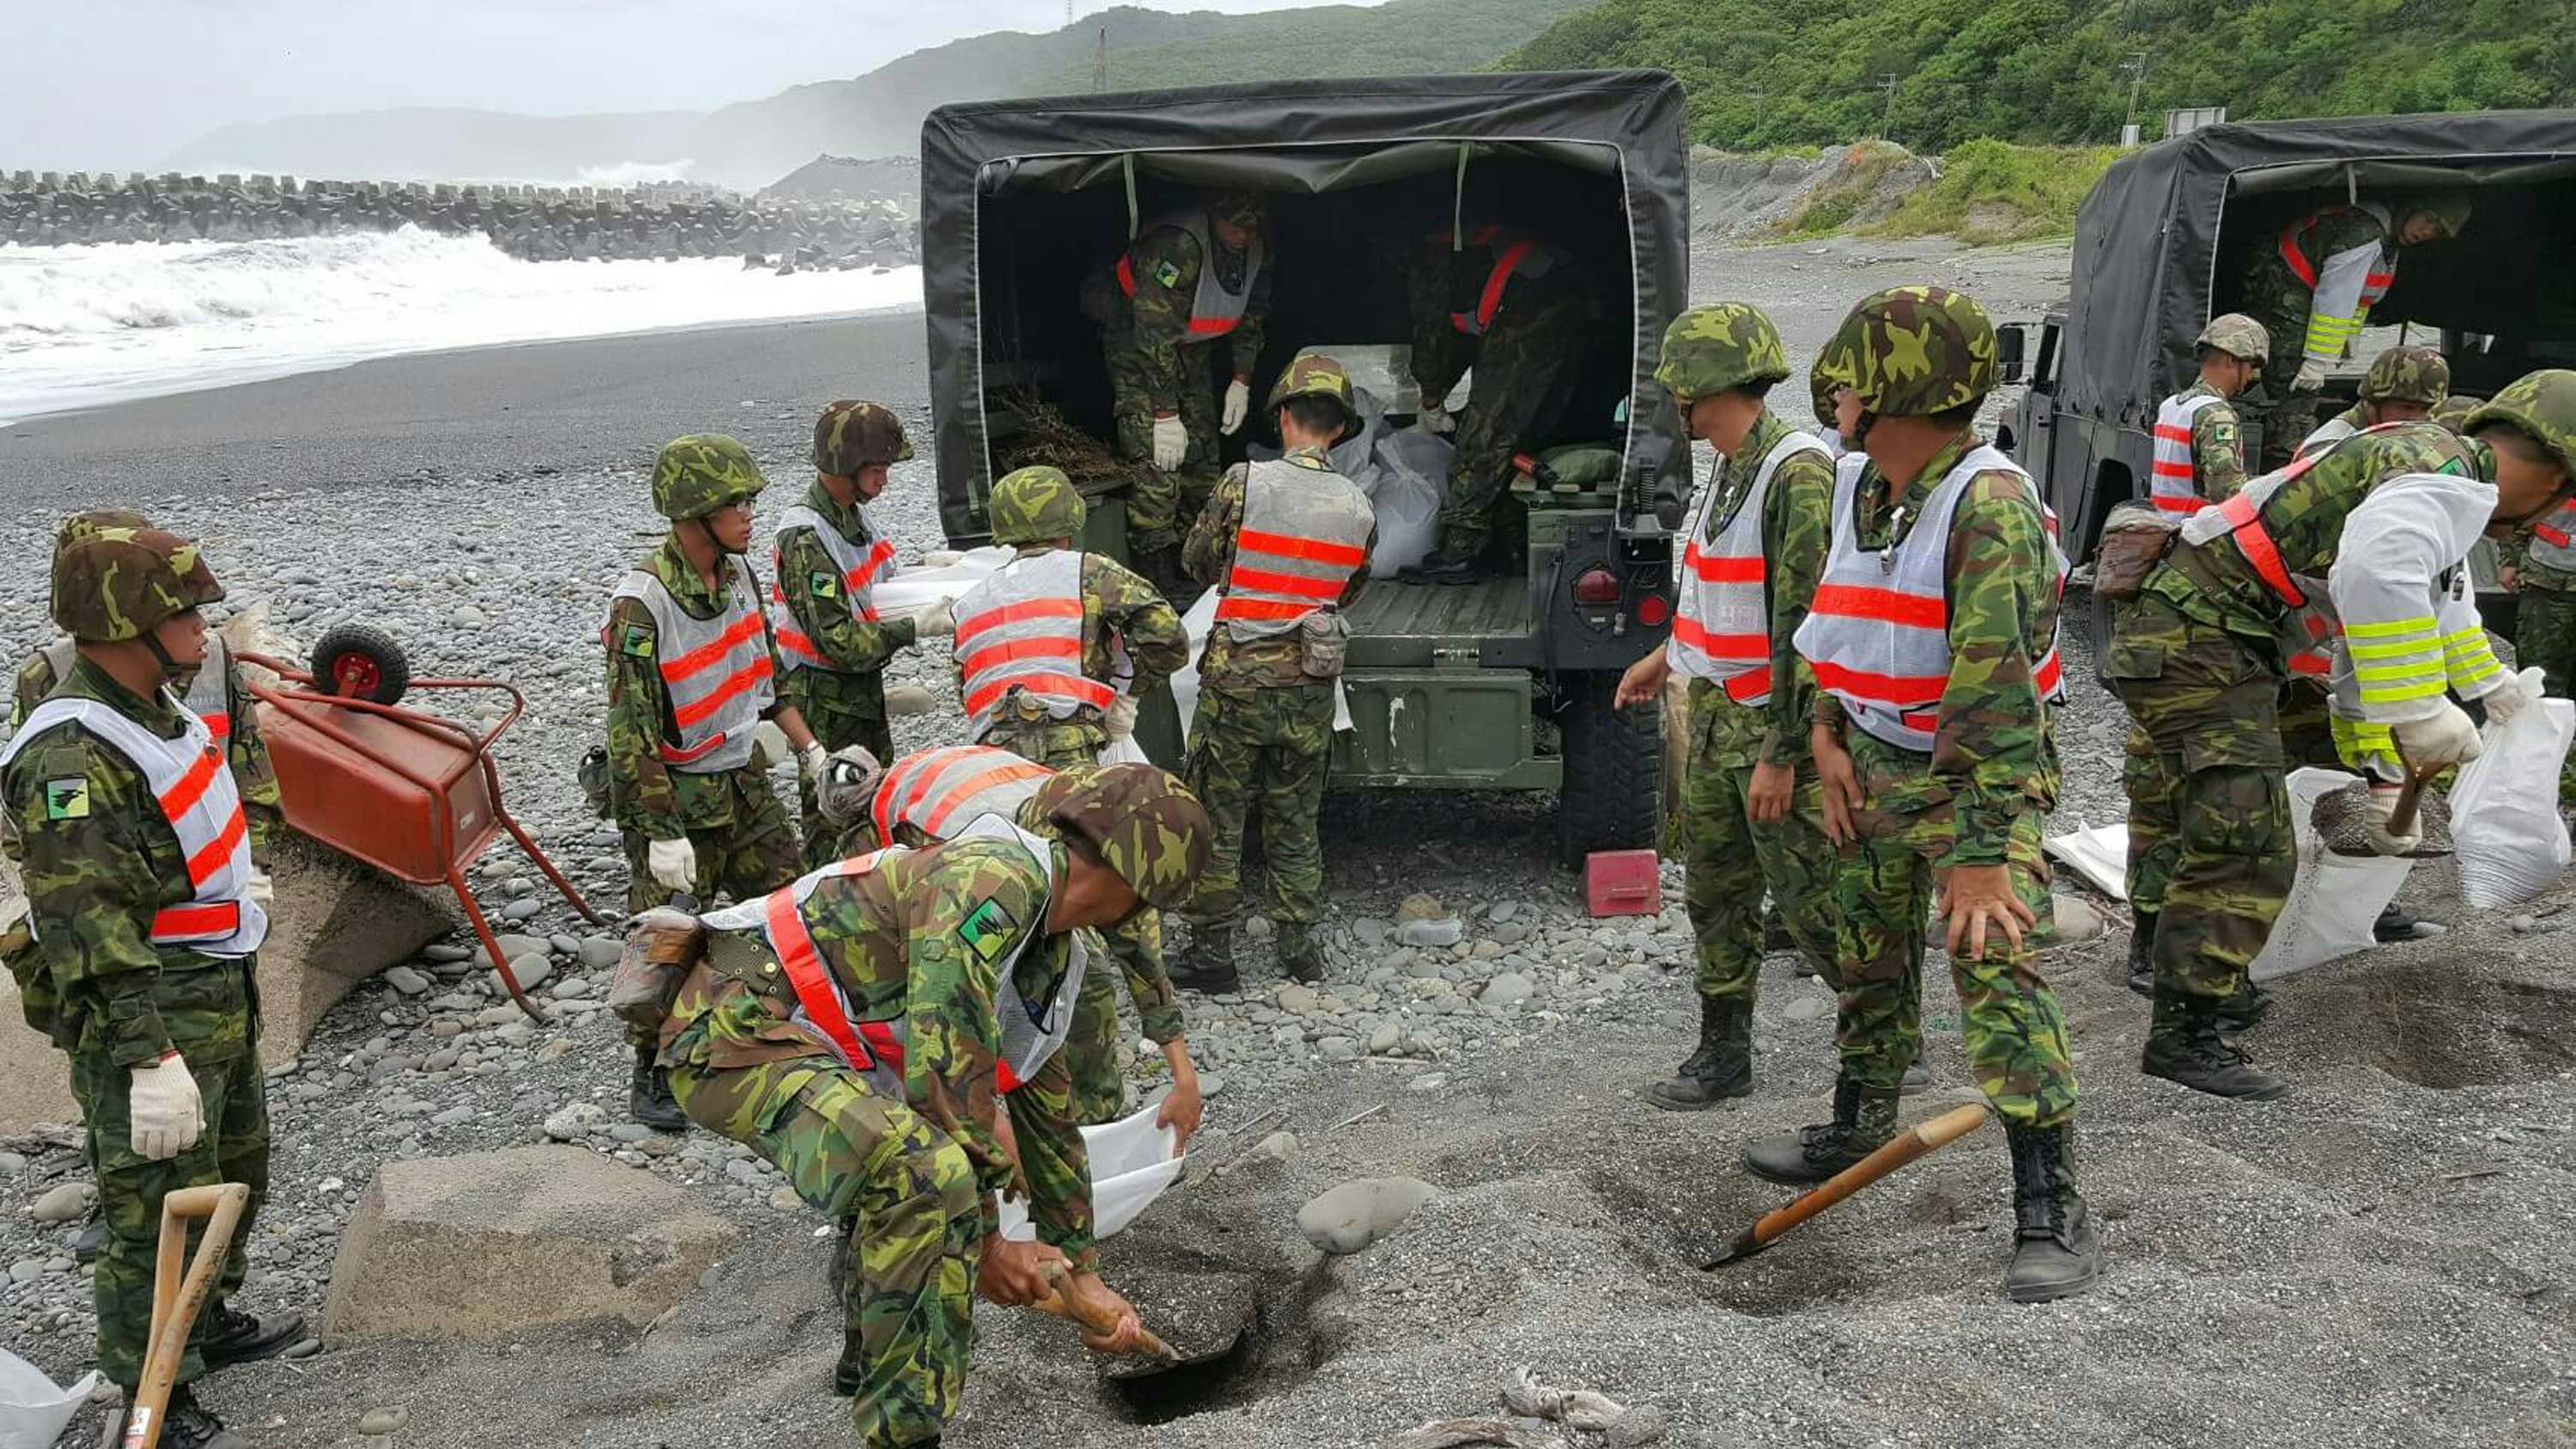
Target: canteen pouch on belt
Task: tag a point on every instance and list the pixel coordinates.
(1323, 640)
(2135, 538)
(661, 950)
(592, 775)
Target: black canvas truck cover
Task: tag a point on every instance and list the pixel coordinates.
(2153, 261)
(1310, 138)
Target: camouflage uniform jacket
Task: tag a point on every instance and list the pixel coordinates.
(1994, 755)
(1208, 554)
(854, 652)
(2217, 445)
(1440, 284)
(246, 750)
(918, 939)
(1167, 263)
(1119, 607)
(2277, 297)
(647, 798)
(99, 863)
(1797, 531)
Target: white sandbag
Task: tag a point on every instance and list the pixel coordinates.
(33, 1410)
(911, 590)
(2100, 855)
(1132, 1162)
(1411, 468)
(2335, 899)
(2506, 833)
(1124, 752)
(1185, 684)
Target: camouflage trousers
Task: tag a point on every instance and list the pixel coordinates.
(2288, 417)
(1265, 752)
(1161, 505)
(1729, 861)
(752, 856)
(232, 1148)
(2544, 635)
(2009, 1022)
(1523, 381)
(2210, 848)
(838, 727)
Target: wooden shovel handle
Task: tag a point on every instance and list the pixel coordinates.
(1062, 1304)
(1899, 1150)
(178, 1297)
(2410, 798)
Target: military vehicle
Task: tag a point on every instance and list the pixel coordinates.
(1505, 683)
(2165, 239)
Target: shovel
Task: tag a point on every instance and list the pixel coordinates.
(1062, 1305)
(1160, 1377)
(2401, 815)
(1904, 1147)
(177, 1302)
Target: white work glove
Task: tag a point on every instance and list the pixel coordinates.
(1238, 401)
(165, 1109)
(848, 783)
(673, 862)
(1120, 718)
(936, 620)
(1171, 443)
(1433, 418)
(2311, 376)
(263, 891)
(2505, 700)
(2438, 739)
(813, 760)
(2383, 803)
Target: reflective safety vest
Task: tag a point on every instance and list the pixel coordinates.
(2553, 539)
(2342, 292)
(1878, 632)
(935, 791)
(198, 798)
(861, 565)
(1032, 1032)
(716, 672)
(1020, 632)
(209, 695)
(1304, 534)
(1515, 255)
(1722, 619)
(2173, 488)
(2328, 433)
(1214, 311)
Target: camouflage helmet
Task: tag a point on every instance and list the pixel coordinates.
(2237, 335)
(2407, 374)
(2542, 406)
(2449, 210)
(1036, 505)
(853, 435)
(1312, 374)
(1710, 349)
(1826, 384)
(1246, 209)
(698, 474)
(82, 525)
(2453, 412)
(1914, 352)
(116, 583)
(1147, 826)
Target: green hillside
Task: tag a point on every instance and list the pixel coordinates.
(1763, 75)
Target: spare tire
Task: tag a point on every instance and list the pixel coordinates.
(358, 662)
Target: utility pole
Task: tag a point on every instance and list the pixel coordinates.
(1887, 100)
(1100, 62)
(2137, 69)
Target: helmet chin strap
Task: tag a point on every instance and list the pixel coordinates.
(171, 669)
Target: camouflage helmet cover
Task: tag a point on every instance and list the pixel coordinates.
(1826, 384)
(1247, 209)
(696, 475)
(1036, 505)
(1311, 374)
(2449, 209)
(2453, 412)
(1914, 352)
(849, 436)
(1149, 829)
(117, 583)
(2237, 335)
(82, 525)
(1710, 349)
(2542, 406)
(2407, 374)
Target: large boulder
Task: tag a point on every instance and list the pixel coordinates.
(484, 1246)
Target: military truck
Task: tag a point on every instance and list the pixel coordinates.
(1505, 683)
(2165, 239)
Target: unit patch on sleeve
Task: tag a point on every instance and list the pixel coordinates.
(986, 930)
(67, 799)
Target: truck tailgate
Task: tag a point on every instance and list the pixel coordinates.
(1396, 625)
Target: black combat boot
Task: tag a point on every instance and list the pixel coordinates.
(2060, 1251)
(2245, 1010)
(1722, 1067)
(92, 1240)
(1298, 956)
(648, 1097)
(2393, 925)
(1864, 1118)
(1207, 963)
(187, 1424)
(1917, 1078)
(2142, 952)
(226, 1335)
(2184, 1047)
(1459, 559)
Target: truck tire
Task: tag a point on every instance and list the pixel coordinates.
(361, 663)
(1614, 772)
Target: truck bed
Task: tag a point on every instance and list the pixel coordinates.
(1396, 625)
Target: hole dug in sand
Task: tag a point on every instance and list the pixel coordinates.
(2434, 1028)
(1198, 1301)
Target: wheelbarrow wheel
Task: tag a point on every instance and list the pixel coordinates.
(361, 663)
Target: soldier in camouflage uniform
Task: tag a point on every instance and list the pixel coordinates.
(2200, 457)
(2373, 529)
(832, 639)
(1189, 280)
(1287, 542)
(1512, 308)
(855, 1033)
(1933, 636)
(2402, 385)
(146, 910)
(684, 785)
(2540, 568)
(2313, 291)
(1751, 816)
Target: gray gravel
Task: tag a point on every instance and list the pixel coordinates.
(2379, 1259)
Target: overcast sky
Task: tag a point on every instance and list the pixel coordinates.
(92, 84)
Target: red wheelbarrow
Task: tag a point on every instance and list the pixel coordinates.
(412, 794)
